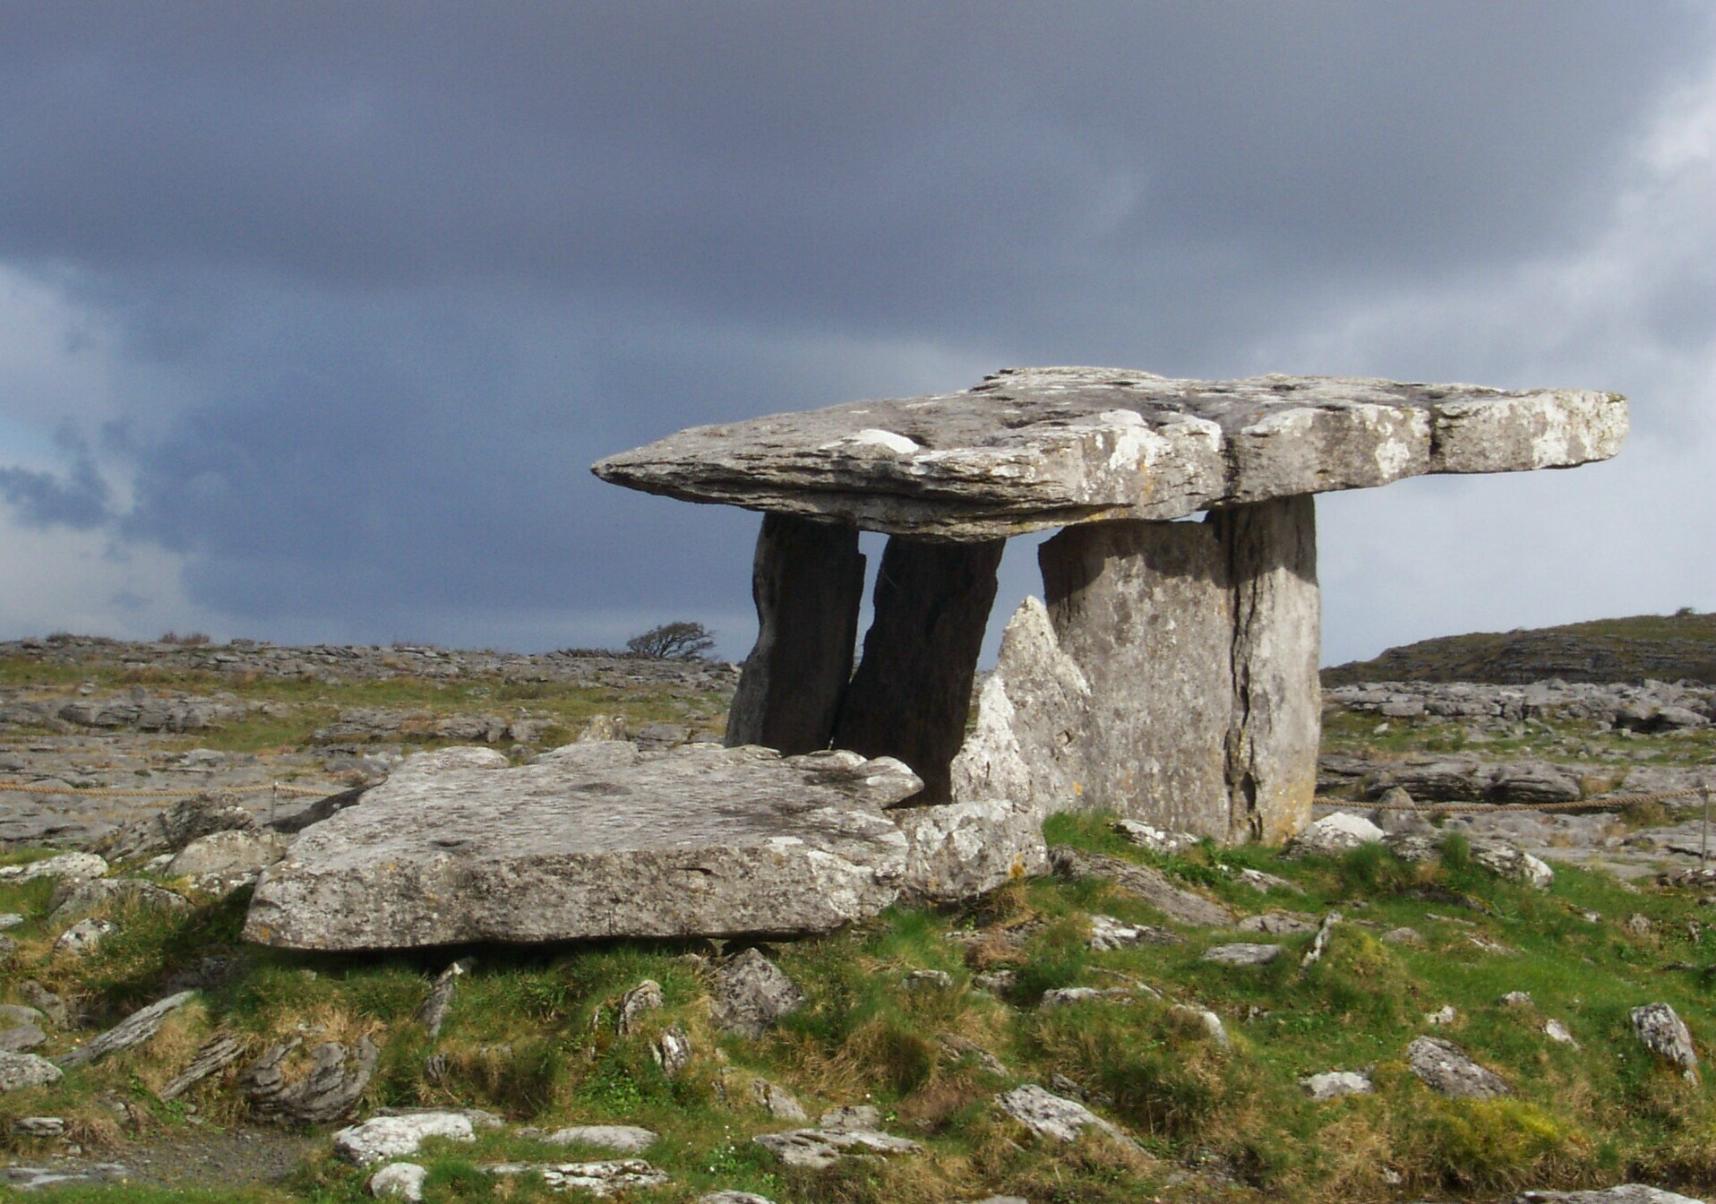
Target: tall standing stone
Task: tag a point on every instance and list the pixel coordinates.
(1277, 629)
(808, 581)
(912, 693)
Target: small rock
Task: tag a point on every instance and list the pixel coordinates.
(1446, 1069)
(1334, 834)
(851, 1116)
(1066, 996)
(215, 1055)
(84, 937)
(1205, 1019)
(1557, 1032)
(597, 1178)
(233, 853)
(1333, 1084)
(1442, 1016)
(433, 1014)
(135, 1029)
(50, 1004)
(1155, 839)
(1403, 936)
(1051, 1116)
(1242, 955)
(1516, 999)
(930, 979)
(777, 1101)
(12, 1013)
(326, 1093)
(672, 1050)
(1639, 925)
(67, 867)
(752, 994)
(645, 997)
(1507, 861)
(20, 1037)
(18, 1070)
(399, 1181)
(1626, 1193)
(383, 1137)
(39, 1127)
(1660, 1029)
(1278, 923)
(996, 982)
(956, 1047)
(10, 919)
(621, 1139)
(1320, 943)
(817, 1149)
(74, 902)
(1107, 933)
(1259, 881)
(732, 1197)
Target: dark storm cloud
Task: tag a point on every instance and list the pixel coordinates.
(398, 273)
(76, 498)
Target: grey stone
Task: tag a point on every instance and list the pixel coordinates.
(919, 980)
(851, 1116)
(83, 937)
(171, 830)
(1041, 447)
(50, 1004)
(808, 582)
(18, 1070)
(644, 998)
(1147, 836)
(1626, 1193)
(777, 1101)
(66, 867)
(1335, 834)
(1508, 861)
(594, 1178)
(1442, 1016)
(383, 1137)
(1278, 923)
(732, 1197)
(399, 1181)
(593, 840)
(135, 1029)
(621, 1139)
(1060, 997)
(213, 1056)
(1334, 1084)
(433, 1012)
(1149, 884)
(74, 902)
(12, 1013)
(30, 1178)
(327, 1091)
(818, 1149)
(1108, 933)
(1205, 1020)
(229, 853)
(1320, 942)
(39, 1127)
(957, 1047)
(959, 851)
(911, 694)
(1516, 999)
(672, 1050)
(1557, 1032)
(1242, 954)
(1660, 1029)
(751, 994)
(10, 919)
(20, 1037)
(1051, 1116)
(1447, 1069)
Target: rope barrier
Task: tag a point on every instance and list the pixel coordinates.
(1604, 803)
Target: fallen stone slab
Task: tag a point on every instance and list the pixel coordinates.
(1151, 885)
(1626, 1193)
(594, 840)
(817, 1149)
(19, 1070)
(1052, 1116)
(67, 867)
(1242, 954)
(621, 1139)
(596, 1178)
(1029, 448)
(1447, 1069)
(135, 1029)
(214, 1056)
(383, 1137)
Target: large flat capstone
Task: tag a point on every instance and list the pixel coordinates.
(1030, 448)
(593, 840)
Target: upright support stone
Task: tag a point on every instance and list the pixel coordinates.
(808, 582)
(1145, 611)
(912, 692)
(1172, 677)
(1277, 699)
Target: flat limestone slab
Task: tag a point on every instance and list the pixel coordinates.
(593, 840)
(1030, 448)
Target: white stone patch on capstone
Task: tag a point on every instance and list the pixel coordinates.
(875, 437)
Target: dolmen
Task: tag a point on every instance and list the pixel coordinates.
(1168, 674)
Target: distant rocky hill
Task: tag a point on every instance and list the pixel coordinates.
(1657, 647)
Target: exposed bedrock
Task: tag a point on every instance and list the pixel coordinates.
(808, 581)
(1171, 676)
(911, 695)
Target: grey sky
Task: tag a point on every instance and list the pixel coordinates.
(312, 317)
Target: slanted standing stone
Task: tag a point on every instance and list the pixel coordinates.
(911, 695)
(807, 581)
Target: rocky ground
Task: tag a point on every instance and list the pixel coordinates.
(1445, 1006)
